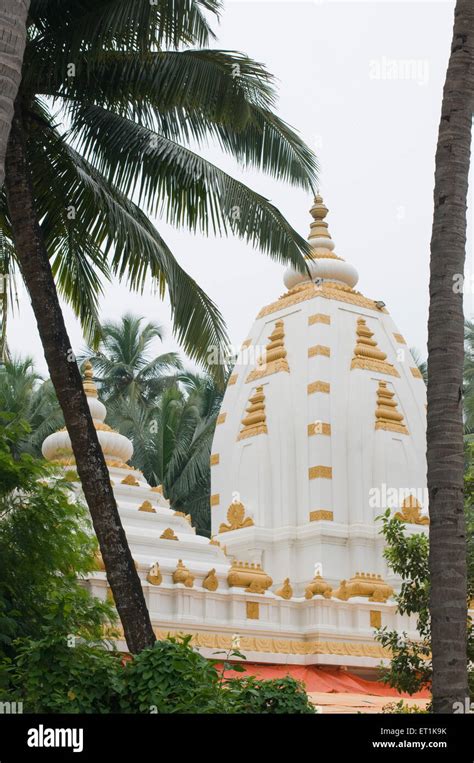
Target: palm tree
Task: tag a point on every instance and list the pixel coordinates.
(26, 398)
(172, 442)
(13, 15)
(123, 367)
(447, 560)
(133, 98)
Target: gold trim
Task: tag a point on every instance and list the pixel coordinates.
(274, 367)
(215, 640)
(157, 489)
(328, 290)
(319, 386)
(323, 472)
(319, 318)
(236, 518)
(321, 515)
(319, 427)
(146, 506)
(221, 418)
(319, 349)
(214, 461)
(416, 373)
(215, 499)
(374, 365)
(246, 343)
(252, 610)
(399, 338)
(232, 380)
(375, 618)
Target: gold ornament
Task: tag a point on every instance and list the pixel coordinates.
(367, 355)
(146, 506)
(168, 534)
(286, 591)
(249, 576)
(411, 512)
(255, 421)
(183, 575)
(318, 587)
(364, 584)
(236, 518)
(274, 358)
(211, 582)
(386, 413)
(154, 575)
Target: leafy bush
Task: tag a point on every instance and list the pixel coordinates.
(52, 676)
(58, 675)
(279, 695)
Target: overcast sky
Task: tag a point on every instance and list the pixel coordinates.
(362, 82)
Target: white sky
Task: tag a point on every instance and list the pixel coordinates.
(375, 137)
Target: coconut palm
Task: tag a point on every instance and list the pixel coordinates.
(123, 366)
(138, 106)
(445, 454)
(13, 15)
(172, 442)
(26, 398)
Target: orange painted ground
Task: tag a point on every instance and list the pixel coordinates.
(336, 690)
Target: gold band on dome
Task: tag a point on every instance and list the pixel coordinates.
(327, 290)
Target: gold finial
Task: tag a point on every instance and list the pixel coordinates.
(319, 229)
(89, 385)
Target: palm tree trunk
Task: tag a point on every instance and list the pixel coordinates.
(13, 15)
(445, 372)
(34, 263)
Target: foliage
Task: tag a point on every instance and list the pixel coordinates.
(407, 555)
(117, 100)
(123, 368)
(169, 677)
(29, 399)
(56, 674)
(401, 707)
(46, 546)
(276, 696)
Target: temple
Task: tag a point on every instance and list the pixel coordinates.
(322, 428)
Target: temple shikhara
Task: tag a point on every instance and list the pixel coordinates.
(323, 417)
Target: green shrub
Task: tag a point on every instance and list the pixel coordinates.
(279, 695)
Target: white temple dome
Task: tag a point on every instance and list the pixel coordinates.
(313, 435)
(117, 448)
